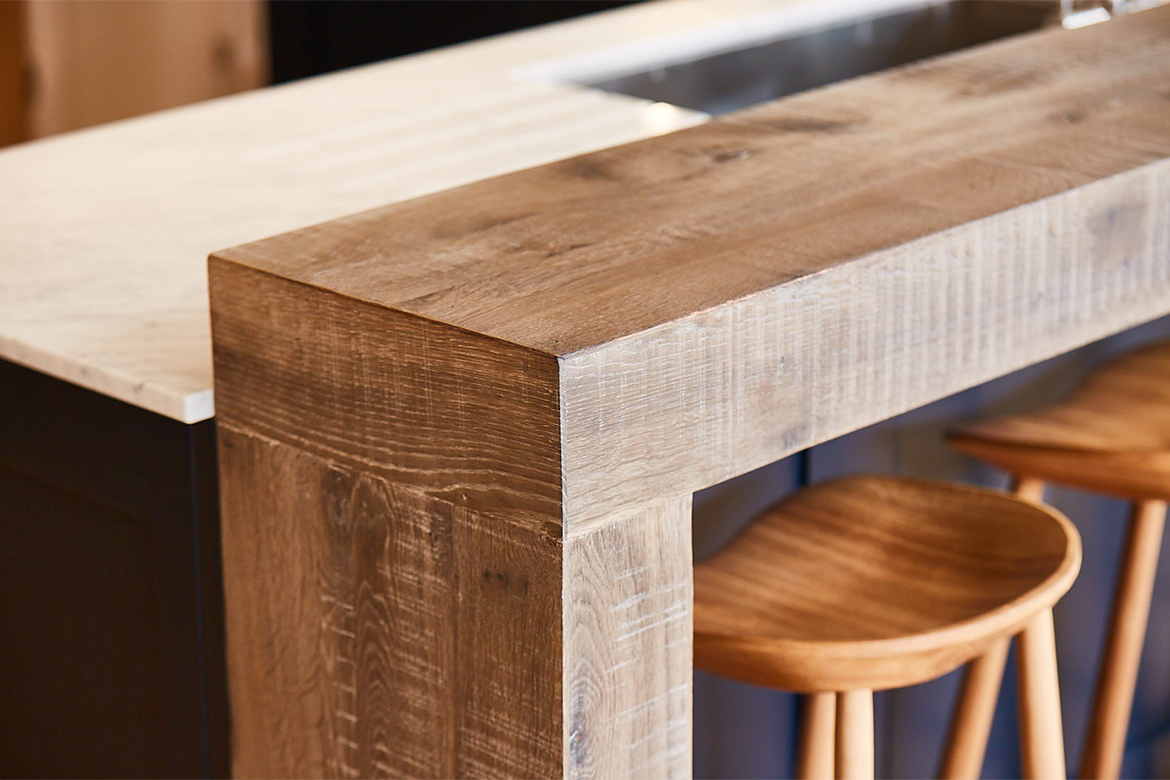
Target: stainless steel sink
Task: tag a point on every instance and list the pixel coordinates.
(722, 82)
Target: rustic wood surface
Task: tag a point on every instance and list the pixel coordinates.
(402, 560)
(567, 353)
(912, 579)
(423, 569)
(929, 228)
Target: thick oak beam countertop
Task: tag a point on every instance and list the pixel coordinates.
(716, 298)
(459, 435)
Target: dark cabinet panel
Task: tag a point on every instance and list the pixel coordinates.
(111, 637)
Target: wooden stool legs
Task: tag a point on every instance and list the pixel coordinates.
(1041, 736)
(818, 737)
(972, 723)
(855, 735)
(971, 727)
(836, 736)
(1105, 746)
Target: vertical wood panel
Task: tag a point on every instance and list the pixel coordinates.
(628, 645)
(392, 544)
(377, 632)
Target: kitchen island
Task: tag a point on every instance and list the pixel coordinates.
(459, 435)
(105, 235)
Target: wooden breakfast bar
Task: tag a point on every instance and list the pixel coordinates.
(459, 435)
(452, 442)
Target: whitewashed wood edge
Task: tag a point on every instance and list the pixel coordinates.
(691, 403)
(627, 627)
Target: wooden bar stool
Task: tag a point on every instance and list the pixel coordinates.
(1112, 436)
(867, 583)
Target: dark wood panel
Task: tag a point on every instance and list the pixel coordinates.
(80, 650)
(112, 663)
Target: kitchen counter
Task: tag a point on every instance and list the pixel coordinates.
(108, 464)
(106, 231)
(495, 403)
(603, 335)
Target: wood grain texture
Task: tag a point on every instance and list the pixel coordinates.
(469, 419)
(926, 250)
(412, 614)
(356, 584)
(935, 575)
(628, 637)
(570, 351)
(392, 545)
(971, 724)
(1111, 435)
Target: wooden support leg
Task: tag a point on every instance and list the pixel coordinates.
(855, 735)
(1041, 736)
(818, 721)
(973, 717)
(406, 595)
(977, 699)
(628, 644)
(1105, 745)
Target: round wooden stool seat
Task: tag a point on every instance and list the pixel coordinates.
(1112, 435)
(877, 582)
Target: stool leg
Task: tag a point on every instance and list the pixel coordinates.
(1105, 745)
(1028, 487)
(818, 726)
(971, 727)
(976, 710)
(855, 735)
(1041, 737)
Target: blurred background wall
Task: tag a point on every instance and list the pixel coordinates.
(69, 64)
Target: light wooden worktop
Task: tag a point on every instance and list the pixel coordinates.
(104, 233)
